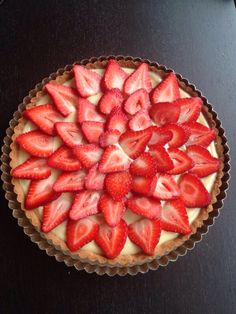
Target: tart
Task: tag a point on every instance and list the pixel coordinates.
(116, 162)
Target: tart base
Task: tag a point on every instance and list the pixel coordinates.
(164, 252)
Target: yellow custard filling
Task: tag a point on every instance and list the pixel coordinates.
(129, 217)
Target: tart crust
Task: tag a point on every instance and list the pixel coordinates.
(121, 260)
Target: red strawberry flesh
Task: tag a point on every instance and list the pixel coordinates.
(112, 240)
(33, 168)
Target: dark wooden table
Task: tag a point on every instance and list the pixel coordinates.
(197, 39)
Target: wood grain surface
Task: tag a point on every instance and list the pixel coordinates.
(196, 38)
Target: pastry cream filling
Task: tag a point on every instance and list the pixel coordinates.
(129, 217)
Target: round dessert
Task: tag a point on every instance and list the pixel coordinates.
(116, 163)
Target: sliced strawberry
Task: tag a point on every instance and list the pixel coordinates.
(166, 90)
(63, 159)
(36, 143)
(113, 160)
(140, 121)
(85, 204)
(144, 186)
(164, 112)
(94, 179)
(174, 217)
(114, 76)
(117, 120)
(134, 142)
(204, 162)
(92, 130)
(193, 192)
(112, 210)
(70, 181)
(40, 193)
(118, 184)
(87, 111)
(161, 157)
(190, 109)
(109, 137)
(180, 134)
(166, 188)
(200, 134)
(160, 136)
(111, 99)
(145, 166)
(148, 207)
(112, 240)
(182, 162)
(44, 117)
(138, 79)
(80, 232)
(136, 101)
(33, 168)
(145, 233)
(64, 97)
(70, 133)
(88, 154)
(56, 212)
(87, 81)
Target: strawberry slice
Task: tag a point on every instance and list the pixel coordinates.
(111, 99)
(166, 188)
(85, 204)
(94, 179)
(113, 160)
(114, 76)
(88, 154)
(134, 142)
(164, 112)
(166, 90)
(161, 157)
(92, 130)
(36, 143)
(136, 101)
(138, 79)
(140, 121)
(148, 207)
(44, 117)
(87, 81)
(112, 210)
(160, 136)
(70, 133)
(200, 134)
(190, 109)
(87, 111)
(145, 233)
(117, 120)
(112, 240)
(70, 181)
(80, 232)
(118, 184)
(180, 134)
(56, 212)
(63, 97)
(40, 193)
(33, 168)
(193, 192)
(204, 162)
(63, 159)
(182, 162)
(109, 137)
(144, 186)
(174, 217)
(145, 166)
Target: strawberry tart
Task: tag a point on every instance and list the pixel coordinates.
(116, 162)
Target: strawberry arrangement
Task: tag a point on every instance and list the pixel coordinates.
(140, 148)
